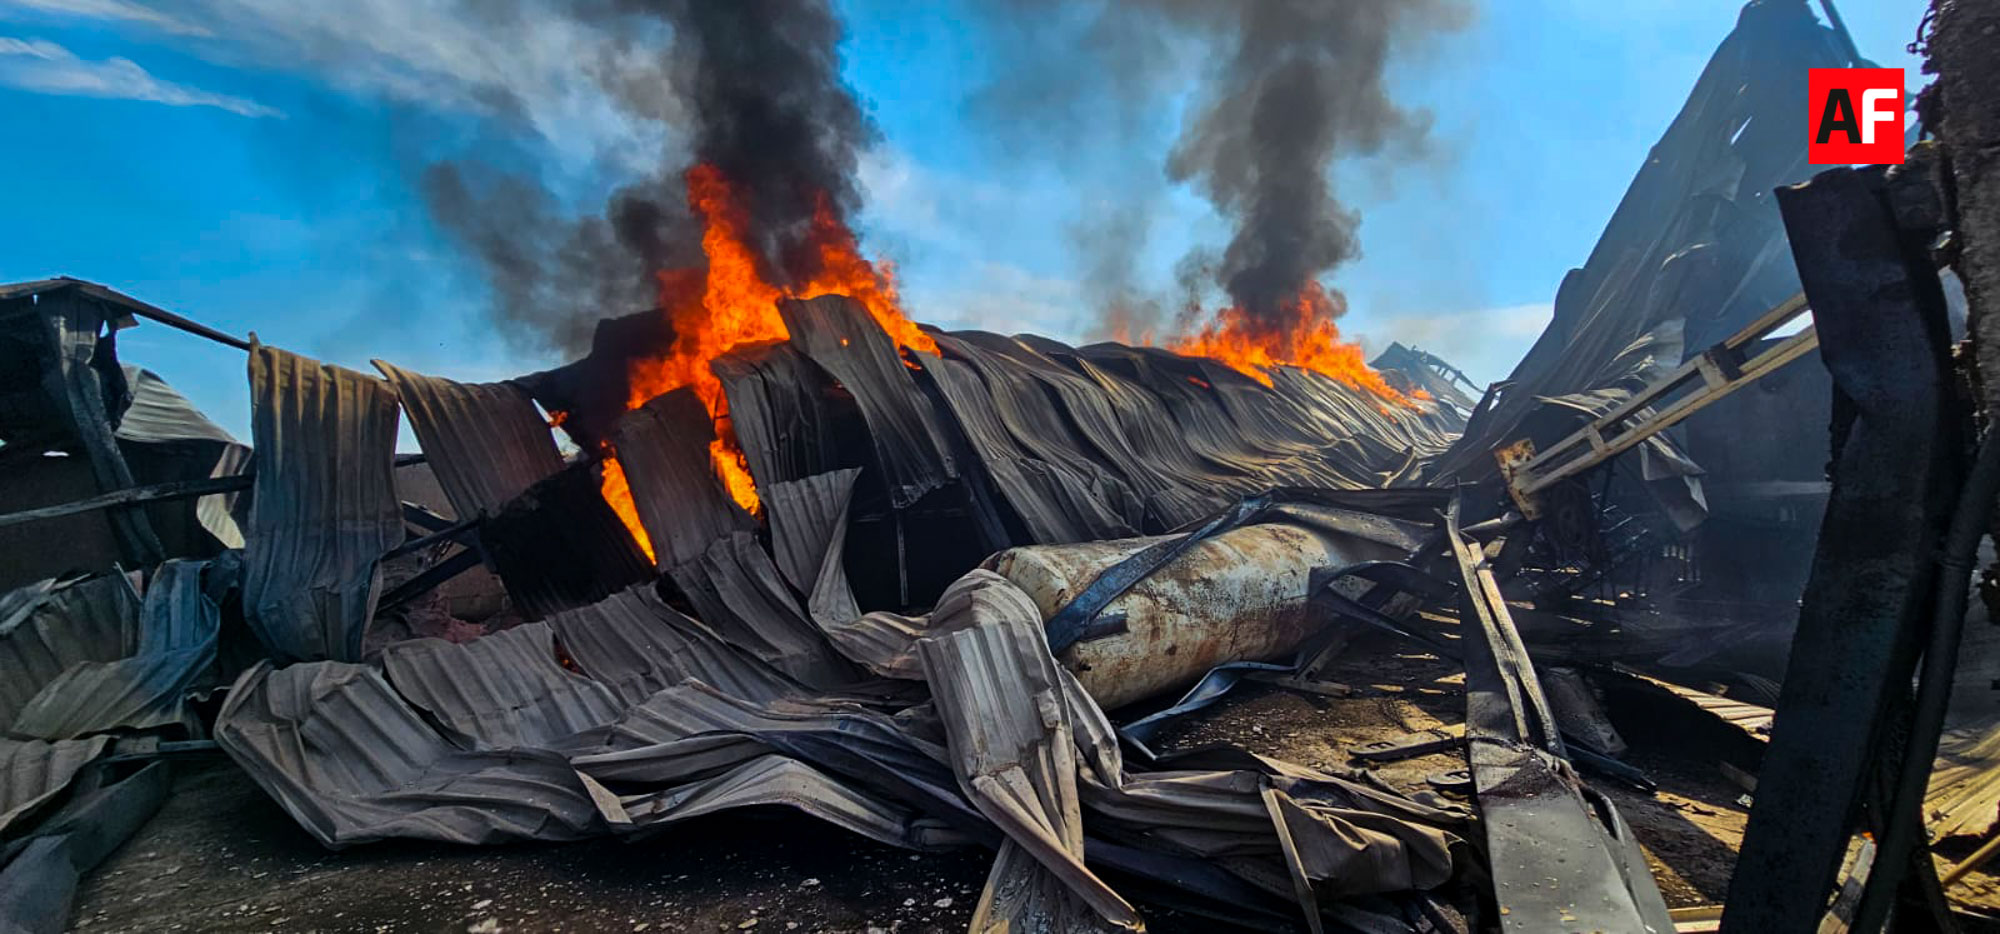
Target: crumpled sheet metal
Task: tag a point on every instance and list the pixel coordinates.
(636, 645)
(175, 641)
(324, 507)
(485, 441)
(835, 332)
(34, 771)
(500, 691)
(785, 427)
(999, 697)
(559, 545)
(808, 518)
(739, 592)
(1696, 235)
(693, 733)
(664, 447)
(774, 780)
(1285, 829)
(161, 416)
(46, 628)
(352, 762)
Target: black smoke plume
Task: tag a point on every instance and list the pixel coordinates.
(751, 87)
(1291, 86)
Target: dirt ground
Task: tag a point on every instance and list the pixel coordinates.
(222, 857)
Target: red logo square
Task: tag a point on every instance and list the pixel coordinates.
(1856, 116)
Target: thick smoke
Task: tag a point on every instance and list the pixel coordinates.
(751, 87)
(1293, 86)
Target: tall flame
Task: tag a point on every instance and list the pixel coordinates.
(1310, 341)
(730, 303)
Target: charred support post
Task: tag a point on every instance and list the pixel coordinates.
(1897, 456)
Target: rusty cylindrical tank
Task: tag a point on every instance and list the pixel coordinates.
(1239, 596)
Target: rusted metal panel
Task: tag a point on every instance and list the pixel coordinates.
(486, 442)
(324, 507)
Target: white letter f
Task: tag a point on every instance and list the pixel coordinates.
(1871, 114)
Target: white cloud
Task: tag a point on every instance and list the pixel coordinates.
(115, 10)
(47, 68)
(529, 61)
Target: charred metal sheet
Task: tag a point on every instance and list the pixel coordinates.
(1054, 502)
(42, 871)
(1897, 460)
(349, 759)
(773, 780)
(837, 333)
(690, 732)
(324, 506)
(738, 591)
(500, 691)
(559, 545)
(166, 438)
(1695, 231)
(1562, 858)
(486, 441)
(49, 627)
(636, 645)
(664, 447)
(36, 771)
(177, 628)
(808, 520)
(779, 412)
(998, 692)
(158, 414)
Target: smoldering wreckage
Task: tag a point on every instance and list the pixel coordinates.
(953, 590)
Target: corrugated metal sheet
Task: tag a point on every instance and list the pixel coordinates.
(997, 692)
(35, 771)
(1054, 500)
(352, 762)
(324, 507)
(688, 733)
(777, 409)
(175, 653)
(808, 518)
(501, 691)
(158, 413)
(664, 446)
(53, 627)
(738, 592)
(835, 332)
(636, 645)
(780, 781)
(559, 545)
(485, 441)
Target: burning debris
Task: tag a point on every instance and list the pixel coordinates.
(957, 591)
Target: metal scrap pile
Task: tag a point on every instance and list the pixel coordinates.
(738, 668)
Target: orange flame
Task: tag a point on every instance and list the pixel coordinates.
(618, 493)
(730, 303)
(1311, 342)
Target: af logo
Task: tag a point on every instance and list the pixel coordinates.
(1856, 117)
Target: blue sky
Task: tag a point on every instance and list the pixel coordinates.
(252, 164)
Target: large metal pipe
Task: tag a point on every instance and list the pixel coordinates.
(1239, 596)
